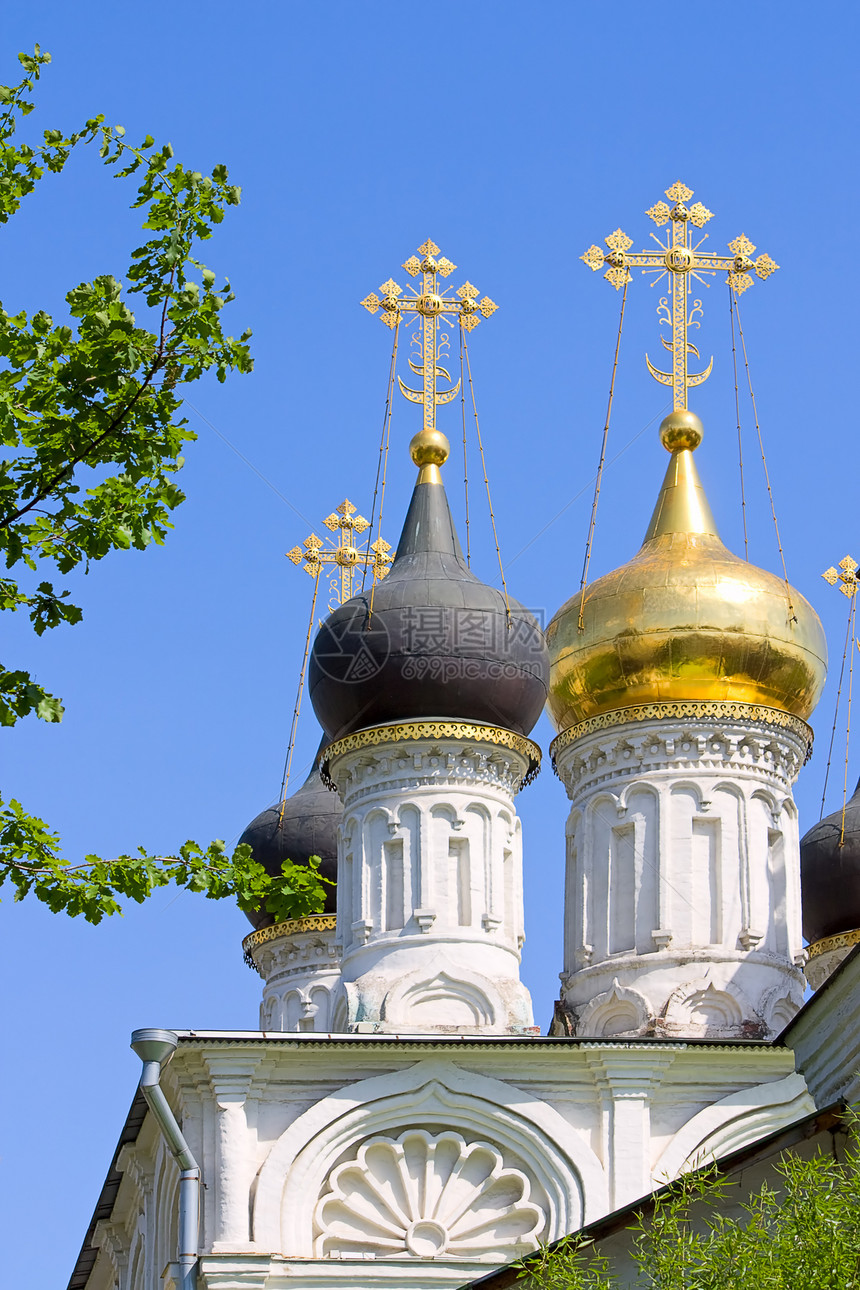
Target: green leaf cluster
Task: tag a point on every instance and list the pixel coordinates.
(90, 425)
(801, 1232)
(30, 862)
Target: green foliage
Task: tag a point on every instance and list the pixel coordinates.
(29, 860)
(89, 425)
(91, 441)
(801, 1233)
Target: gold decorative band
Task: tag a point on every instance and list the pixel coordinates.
(841, 941)
(461, 730)
(313, 923)
(696, 709)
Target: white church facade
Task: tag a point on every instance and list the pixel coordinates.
(399, 1119)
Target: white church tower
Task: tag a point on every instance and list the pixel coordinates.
(680, 687)
(427, 688)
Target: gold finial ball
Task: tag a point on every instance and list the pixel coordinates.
(430, 304)
(681, 429)
(430, 448)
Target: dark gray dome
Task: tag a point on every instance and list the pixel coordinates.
(308, 827)
(436, 645)
(830, 874)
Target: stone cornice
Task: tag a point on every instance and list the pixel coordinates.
(607, 755)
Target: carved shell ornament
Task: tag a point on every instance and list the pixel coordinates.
(428, 1197)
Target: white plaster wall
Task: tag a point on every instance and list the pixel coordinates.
(302, 1139)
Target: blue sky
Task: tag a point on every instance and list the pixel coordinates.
(515, 136)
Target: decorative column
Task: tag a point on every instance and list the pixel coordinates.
(430, 912)
(682, 871)
(299, 961)
(235, 1156)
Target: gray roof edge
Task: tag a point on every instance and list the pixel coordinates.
(86, 1259)
(548, 1042)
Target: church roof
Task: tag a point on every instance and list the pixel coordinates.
(431, 640)
(304, 825)
(830, 873)
(685, 619)
(104, 1206)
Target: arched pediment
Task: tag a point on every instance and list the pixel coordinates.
(566, 1180)
(732, 1123)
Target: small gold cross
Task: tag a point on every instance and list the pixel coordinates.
(846, 574)
(344, 555)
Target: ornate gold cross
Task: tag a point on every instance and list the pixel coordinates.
(431, 304)
(344, 555)
(682, 260)
(847, 577)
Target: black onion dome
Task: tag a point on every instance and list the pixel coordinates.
(830, 874)
(437, 643)
(308, 827)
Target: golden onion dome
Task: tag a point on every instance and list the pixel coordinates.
(685, 619)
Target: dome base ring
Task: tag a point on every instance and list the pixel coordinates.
(720, 710)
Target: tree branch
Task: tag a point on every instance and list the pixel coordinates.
(116, 423)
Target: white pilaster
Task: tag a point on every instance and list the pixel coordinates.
(231, 1075)
(430, 915)
(682, 872)
(625, 1078)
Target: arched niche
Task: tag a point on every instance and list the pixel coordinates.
(568, 1181)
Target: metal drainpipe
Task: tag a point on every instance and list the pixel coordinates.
(155, 1049)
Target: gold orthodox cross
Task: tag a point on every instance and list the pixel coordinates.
(681, 260)
(846, 574)
(431, 305)
(344, 554)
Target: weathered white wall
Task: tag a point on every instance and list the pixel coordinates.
(826, 1036)
(683, 879)
(310, 1150)
(299, 962)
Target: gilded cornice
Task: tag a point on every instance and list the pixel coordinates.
(688, 709)
(469, 732)
(313, 923)
(841, 941)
